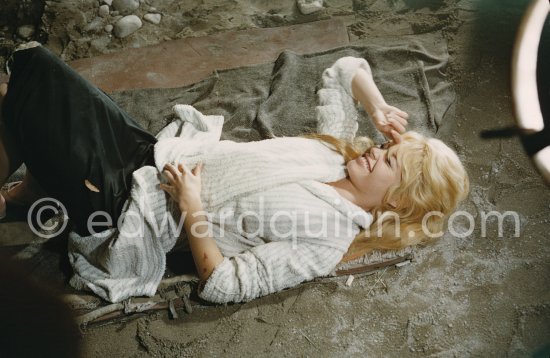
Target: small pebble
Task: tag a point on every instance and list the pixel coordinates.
(25, 31)
(125, 7)
(108, 28)
(153, 18)
(104, 10)
(127, 26)
(349, 281)
(108, 2)
(309, 6)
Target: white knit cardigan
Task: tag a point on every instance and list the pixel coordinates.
(275, 221)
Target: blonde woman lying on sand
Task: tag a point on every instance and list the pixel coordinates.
(259, 216)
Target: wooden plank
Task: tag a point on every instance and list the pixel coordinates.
(182, 62)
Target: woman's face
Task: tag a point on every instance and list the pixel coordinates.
(372, 174)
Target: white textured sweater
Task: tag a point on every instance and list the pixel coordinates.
(275, 221)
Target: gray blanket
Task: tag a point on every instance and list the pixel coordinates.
(279, 99)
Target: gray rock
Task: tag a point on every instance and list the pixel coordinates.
(104, 10)
(108, 2)
(100, 43)
(309, 6)
(153, 18)
(127, 26)
(25, 31)
(114, 13)
(125, 7)
(108, 28)
(94, 26)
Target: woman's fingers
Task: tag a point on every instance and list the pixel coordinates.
(197, 170)
(397, 138)
(167, 188)
(402, 114)
(172, 173)
(401, 119)
(395, 115)
(169, 173)
(397, 125)
(399, 112)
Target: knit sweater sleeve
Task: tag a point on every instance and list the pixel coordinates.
(268, 268)
(337, 112)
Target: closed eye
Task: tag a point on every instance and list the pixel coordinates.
(388, 160)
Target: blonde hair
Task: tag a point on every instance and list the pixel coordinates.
(433, 181)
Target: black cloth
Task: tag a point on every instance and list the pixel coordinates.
(69, 131)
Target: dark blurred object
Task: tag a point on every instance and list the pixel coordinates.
(531, 84)
(531, 87)
(34, 322)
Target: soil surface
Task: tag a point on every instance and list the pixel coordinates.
(478, 295)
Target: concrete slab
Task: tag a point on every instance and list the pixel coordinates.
(182, 62)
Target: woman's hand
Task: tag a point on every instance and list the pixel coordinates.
(387, 118)
(184, 186)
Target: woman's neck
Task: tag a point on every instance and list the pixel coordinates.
(345, 188)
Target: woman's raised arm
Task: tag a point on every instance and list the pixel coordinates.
(385, 117)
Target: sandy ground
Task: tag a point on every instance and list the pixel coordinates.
(480, 295)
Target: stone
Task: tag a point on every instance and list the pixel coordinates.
(114, 13)
(309, 6)
(108, 2)
(25, 31)
(153, 18)
(94, 26)
(125, 7)
(100, 43)
(104, 10)
(127, 26)
(108, 28)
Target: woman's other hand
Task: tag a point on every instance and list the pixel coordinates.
(387, 118)
(184, 186)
